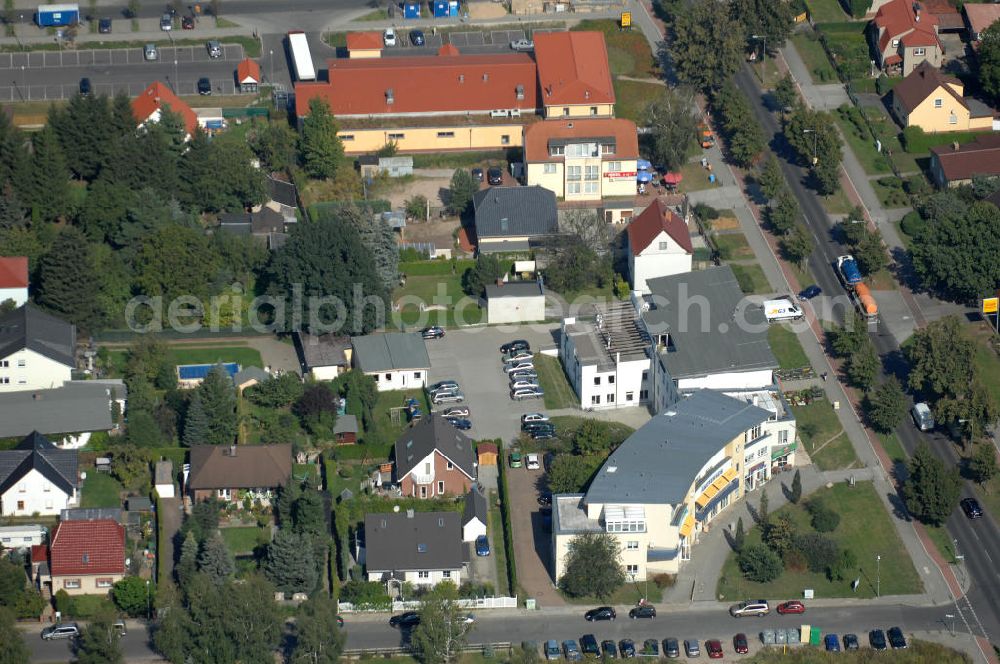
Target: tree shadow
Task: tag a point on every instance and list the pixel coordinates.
(730, 538)
(754, 513)
(899, 507)
(786, 491)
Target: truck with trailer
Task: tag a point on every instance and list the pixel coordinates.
(847, 269)
(782, 309)
(865, 302)
(51, 16)
(298, 49)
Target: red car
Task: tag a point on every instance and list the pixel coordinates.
(740, 644)
(794, 606)
(714, 648)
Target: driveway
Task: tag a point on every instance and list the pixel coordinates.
(532, 545)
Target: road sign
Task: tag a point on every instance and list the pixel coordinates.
(991, 305)
(626, 19)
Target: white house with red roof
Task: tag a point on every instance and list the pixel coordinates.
(85, 557)
(659, 245)
(148, 107)
(903, 35)
(248, 75)
(14, 279)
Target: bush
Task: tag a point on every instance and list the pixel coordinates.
(472, 589)
(760, 564)
(508, 531)
(820, 552)
(794, 561)
(705, 212)
(665, 580)
(824, 519)
(366, 593)
(744, 280)
(913, 139)
(913, 224)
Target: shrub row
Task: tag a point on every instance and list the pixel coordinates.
(508, 532)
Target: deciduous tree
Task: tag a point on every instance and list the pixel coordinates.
(784, 215)
(988, 58)
(886, 405)
(132, 596)
(278, 392)
(863, 366)
(760, 564)
(485, 272)
(317, 410)
(570, 473)
(12, 647)
(798, 244)
(593, 566)
(983, 463)
(461, 190)
(785, 93)
(318, 637)
(591, 438)
(673, 123)
(706, 45)
(322, 150)
(274, 143)
(771, 20)
(443, 631)
(100, 642)
(772, 182)
(931, 490)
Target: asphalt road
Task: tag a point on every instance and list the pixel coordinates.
(119, 10)
(980, 609)
(44, 75)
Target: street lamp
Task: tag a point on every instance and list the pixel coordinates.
(958, 557)
(878, 576)
(177, 83)
(271, 78)
(147, 600)
(951, 617)
(813, 132)
(763, 55)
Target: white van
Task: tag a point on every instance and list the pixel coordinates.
(783, 309)
(922, 416)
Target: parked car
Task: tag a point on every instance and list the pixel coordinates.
(477, 174)
(691, 648)
(515, 459)
(589, 646)
(104, 26)
(149, 52)
(831, 643)
(671, 648)
(517, 355)
(389, 36)
(627, 648)
(405, 620)
(714, 648)
(532, 427)
(851, 642)
(523, 385)
(545, 499)
(61, 631)
(876, 639)
(482, 546)
(810, 292)
(969, 505)
(793, 606)
(517, 344)
(204, 86)
(417, 37)
(896, 638)
(522, 45)
(460, 423)
(85, 87)
(214, 48)
(552, 650)
(531, 462)
(527, 393)
(543, 434)
(524, 375)
(443, 385)
(600, 613)
(166, 23)
(447, 397)
(608, 649)
(740, 644)
(571, 651)
(494, 176)
(751, 607)
(534, 417)
(433, 332)
(187, 22)
(512, 367)
(456, 411)
(644, 611)
(650, 648)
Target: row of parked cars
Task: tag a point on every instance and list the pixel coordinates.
(450, 392)
(627, 648)
(518, 364)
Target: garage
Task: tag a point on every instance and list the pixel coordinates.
(515, 302)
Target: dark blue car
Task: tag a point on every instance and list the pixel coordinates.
(482, 546)
(831, 642)
(810, 292)
(460, 423)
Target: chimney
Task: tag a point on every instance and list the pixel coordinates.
(520, 91)
(586, 94)
(409, 513)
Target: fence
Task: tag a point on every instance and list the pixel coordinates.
(413, 605)
(487, 650)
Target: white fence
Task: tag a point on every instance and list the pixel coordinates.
(412, 605)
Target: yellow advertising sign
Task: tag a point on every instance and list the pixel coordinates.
(991, 305)
(626, 19)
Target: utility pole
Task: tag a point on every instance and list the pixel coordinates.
(878, 576)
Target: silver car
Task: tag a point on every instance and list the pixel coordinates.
(526, 393)
(456, 411)
(523, 385)
(149, 52)
(522, 45)
(214, 48)
(513, 367)
(61, 631)
(447, 397)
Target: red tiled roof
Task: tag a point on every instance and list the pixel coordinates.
(981, 16)
(248, 70)
(155, 97)
(981, 157)
(921, 83)
(573, 68)
(893, 59)
(538, 135)
(424, 84)
(39, 553)
(486, 448)
(364, 41)
(898, 18)
(657, 218)
(87, 547)
(919, 38)
(14, 272)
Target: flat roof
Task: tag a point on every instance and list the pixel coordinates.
(515, 289)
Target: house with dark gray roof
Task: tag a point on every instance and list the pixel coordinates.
(514, 218)
(667, 482)
(706, 334)
(422, 548)
(263, 224)
(37, 350)
(323, 356)
(36, 477)
(284, 198)
(433, 458)
(66, 414)
(475, 514)
(396, 360)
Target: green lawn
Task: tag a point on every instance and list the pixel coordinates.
(380, 439)
(100, 490)
(823, 11)
(752, 277)
(458, 159)
(628, 594)
(435, 290)
(207, 354)
(695, 178)
(243, 540)
(836, 203)
(855, 131)
(813, 54)
(628, 51)
(892, 447)
(306, 471)
(921, 144)
(889, 195)
(986, 359)
(632, 98)
(943, 542)
(865, 528)
(817, 423)
(732, 246)
(786, 347)
(558, 393)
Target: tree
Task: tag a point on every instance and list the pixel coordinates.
(86, 133)
(442, 632)
(591, 438)
(849, 339)
(813, 135)
(763, 514)
(779, 534)
(219, 174)
(798, 244)
(846, 563)
(204, 519)
(784, 215)
(47, 190)
(308, 513)
(322, 150)
(773, 21)
(129, 464)
(378, 237)
(273, 143)
(327, 260)
(886, 405)
(983, 463)
(12, 648)
(570, 473)
(416, 207)
(215, 560)
(485, 272)
(785, 93)
(795, 495)
(706, 47)
(218, 398)
(288, 495)
(175, 261)
(673, 123)
(574, 265)
(361, 392)
(461, 189)
(820, 551)
(100, 642)
(317, 409)
(741, 129)
(870, 252)
(989, 61)
(131, 595)
(290, 564)
(863, 366)
(739, 537)
(318, 637)
(67, 283)
(931, 490)
(593, 566)
(772, 181)
(760, 564)
(187, 565)
(196, 427)
(277, 392)
(238, 622)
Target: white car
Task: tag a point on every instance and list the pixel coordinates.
(531, 462)
(513, 367)
(534, 417)
(523, 385)
(522, 45)
(389, 37)
(518, 356)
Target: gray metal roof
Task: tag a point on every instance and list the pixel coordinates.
(515, 289)
(433, 433)
(406, 541)
(712, 327)
(35, 452)
(30, 327)
(475, 506)
(392, 351)
(657, 464)
(498, 245)
(515, 212)
(75, 407)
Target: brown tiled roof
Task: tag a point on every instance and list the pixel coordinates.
(573, 68)
(538, 135)
(981, 16)
(14, 272)
(251, 467)
(657, 218)
(248, 70)
(158, 95)
(981, 157)
(922, 83)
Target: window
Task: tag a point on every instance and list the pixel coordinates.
(446, 574)
(953, 119)
(223, 493)
(557, 150)
(611, 398)
(440, 486)
(582, 150)
(664, 246)
(591, 187)
(20, 363)
(573, 173)
(423, 575)
(565, 110)
(103, 583)
(938, 103)
(607, 148)
(643, 395)
(71, 583)
(20, 505)
(614, 165)
(895, 43)
(47, 487)
(783, 437)
(427, 469)
(593, 110)
(423, 492)
(504, 139)
(549, 169)
(347, 137)
(629, 396)
(446, 134)
(450, 465)
(631, 545)
(573, 188)
(597, 380)
(632, 570)
(595, 400)
(645, 376)
(21, 380)
(416, 375)
(4, 363)
(388, 376)
(376, 377)
(762, 451)
(752, 435)
(611, 380)
(919, 51)
(592, 173)
(396, 137)
(4, 380)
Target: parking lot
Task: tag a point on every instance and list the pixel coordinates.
(114, 57)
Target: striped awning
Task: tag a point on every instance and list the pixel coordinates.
(687, 526)
(715, 487)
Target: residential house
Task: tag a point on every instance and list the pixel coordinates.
(396, 360)
(664, 485)
(515, 302)
(38, 478)
(283, 199)
(22, 537)
(978, 17)
(433, 459)
(345, 430)
(422, 548)
(583, 159)
(704, 334)
(232, 472)
(605, 355)
(364, 44)
(14, 280)
(513, 218)
(902, 36)
(248, 377)
(85, 557)
(574, 77)
(659, 245)
(475, 516)
(248, 75)
(68, 415)
(37, 350)
(148, 107)
(263, 225)
(954, 165)
(324, 357)
(934, 102)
